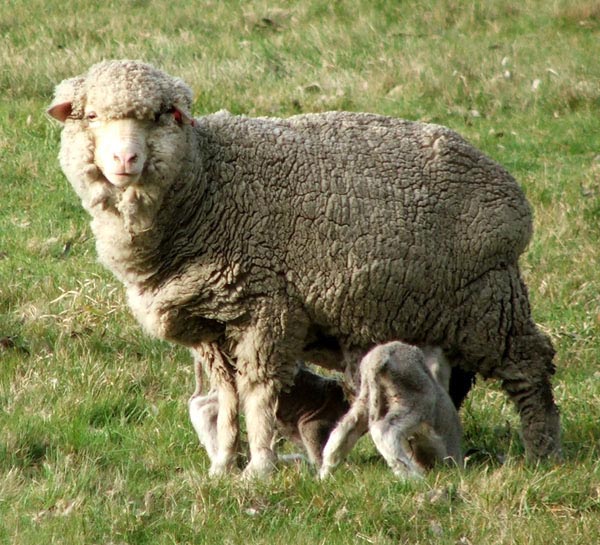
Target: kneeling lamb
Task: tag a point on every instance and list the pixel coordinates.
(409, 415)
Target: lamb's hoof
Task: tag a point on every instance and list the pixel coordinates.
(294, 459)
(325, 472)
(405, 474)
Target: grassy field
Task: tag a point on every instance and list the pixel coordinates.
(95, 444)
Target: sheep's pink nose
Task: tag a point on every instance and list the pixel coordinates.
(125, 159)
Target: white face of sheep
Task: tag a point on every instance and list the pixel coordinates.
(121, 148)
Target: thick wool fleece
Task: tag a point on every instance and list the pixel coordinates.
(315, 235)
(113, 88)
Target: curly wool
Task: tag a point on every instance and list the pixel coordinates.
(113, 88)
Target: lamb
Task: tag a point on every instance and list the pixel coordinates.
(408, 413)
(306, 412)
(309, 410)
(304, 238)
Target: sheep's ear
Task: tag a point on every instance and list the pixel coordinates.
(183, 101)
(64, 95)
(60, 111)
(182, 116)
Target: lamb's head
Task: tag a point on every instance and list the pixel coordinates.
(126, 125)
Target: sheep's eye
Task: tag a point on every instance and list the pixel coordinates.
(91, 116)
(170, 111)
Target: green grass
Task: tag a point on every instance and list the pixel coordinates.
(96, 447)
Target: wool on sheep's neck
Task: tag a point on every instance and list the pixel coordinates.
(137, 228)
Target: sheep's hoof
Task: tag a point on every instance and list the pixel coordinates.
(220, 468)
(260, 468)
(325, 472)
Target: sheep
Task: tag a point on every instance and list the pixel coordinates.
(306, 412)
(408, 413)
(306, 237)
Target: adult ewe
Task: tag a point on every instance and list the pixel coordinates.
(284, 239)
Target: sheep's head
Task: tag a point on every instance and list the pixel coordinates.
(125, 125)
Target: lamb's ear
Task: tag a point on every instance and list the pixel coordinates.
(64, 95)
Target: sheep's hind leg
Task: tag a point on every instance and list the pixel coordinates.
(344, 436)
(526, 379)
(499, 339)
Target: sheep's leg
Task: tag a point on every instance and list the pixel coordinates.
(260, 404)
(526, 380)
(215, 416)
(391, 437)
(204, 411)
(344, 436)
(265, 352)
(504, 342)
(227, 430)
(525, 373)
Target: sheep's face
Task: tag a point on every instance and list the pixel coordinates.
(125, 125)
(124, 149)
(120, 148)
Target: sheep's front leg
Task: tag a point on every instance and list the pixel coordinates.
(265, 352)
(215, 415)
(260, 405)
(227, 430)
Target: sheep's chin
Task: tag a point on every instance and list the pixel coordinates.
(122, 181)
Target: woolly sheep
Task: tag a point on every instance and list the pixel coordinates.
(408, 413)
(316, 235)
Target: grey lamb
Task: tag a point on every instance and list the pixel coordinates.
(304, 238)
(407, 411)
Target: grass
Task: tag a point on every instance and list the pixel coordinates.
(95, 444)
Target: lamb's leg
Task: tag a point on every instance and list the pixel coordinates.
(204, 411)
(344, 436)
(428, 448)
(391, 437)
